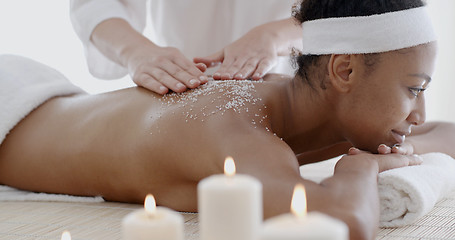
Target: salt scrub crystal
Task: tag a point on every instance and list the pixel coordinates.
(235, 95)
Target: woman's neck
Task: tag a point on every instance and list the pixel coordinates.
(303, 117)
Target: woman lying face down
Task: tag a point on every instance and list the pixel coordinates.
(124, 144)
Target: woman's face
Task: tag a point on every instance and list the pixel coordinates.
(388, 99)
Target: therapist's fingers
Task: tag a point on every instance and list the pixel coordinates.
(221, 73)
(160, 77)
(187, 73)
(230, 66)
(263, 67)
(211, 60)
(174, 78)
(148, 82)
(230, 70)
(247, 69)
(202, 67)
(157, 68)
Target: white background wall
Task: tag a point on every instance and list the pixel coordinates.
(441, 94)
(41, 30)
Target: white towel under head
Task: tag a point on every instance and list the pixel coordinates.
(408, 193)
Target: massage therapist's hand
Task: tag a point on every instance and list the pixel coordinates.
(162, 68)
(255, 53)
(251, 56)
(388, 161)
(150, 66)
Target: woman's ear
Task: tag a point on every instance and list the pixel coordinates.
(340, 70)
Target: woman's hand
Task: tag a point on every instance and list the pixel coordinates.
(405, 149)
(389, 160)
(162, 68)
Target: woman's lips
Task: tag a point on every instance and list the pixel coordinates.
(398, 136)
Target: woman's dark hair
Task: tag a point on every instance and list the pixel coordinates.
(309, 10)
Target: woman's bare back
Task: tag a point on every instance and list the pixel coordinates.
(124, 144)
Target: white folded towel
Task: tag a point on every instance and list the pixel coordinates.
(408, 193)
(24, 85)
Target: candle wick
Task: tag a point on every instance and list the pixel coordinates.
(150, 215)
(229, 179)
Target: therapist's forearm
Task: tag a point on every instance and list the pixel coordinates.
(116, 39)
(286, 34)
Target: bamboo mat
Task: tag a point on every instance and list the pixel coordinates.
(47, 220)
(27, 220)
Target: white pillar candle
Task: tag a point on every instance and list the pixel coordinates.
(300, 225)
(230, 206)
(157, 223)
(66, 235)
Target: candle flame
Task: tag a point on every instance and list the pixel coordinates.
(150, 204)
(298, 203)
(66, 235)
(229, 167)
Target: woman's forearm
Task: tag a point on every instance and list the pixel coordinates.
(350, 195)
(116, 39)
(354, 195)
(434, 137)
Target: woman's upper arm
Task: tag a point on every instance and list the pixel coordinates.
(433, 137)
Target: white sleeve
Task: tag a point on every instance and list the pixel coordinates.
(87, 14)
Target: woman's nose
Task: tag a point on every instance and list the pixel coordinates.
(418, 115)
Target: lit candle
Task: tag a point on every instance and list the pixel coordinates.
(66, 235)
(153, 222)
(230, 205)
(300, 225)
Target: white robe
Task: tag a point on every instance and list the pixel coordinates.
(196, 27)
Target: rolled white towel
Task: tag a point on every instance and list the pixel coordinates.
(408, 193)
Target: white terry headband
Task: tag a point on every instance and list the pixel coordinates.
(368, 34)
